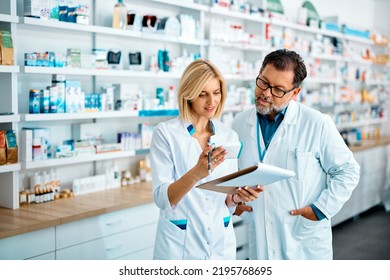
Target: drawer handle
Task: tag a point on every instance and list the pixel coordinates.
(115, 247)
(114, 222)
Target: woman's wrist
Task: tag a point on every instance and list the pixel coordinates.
(234, 202)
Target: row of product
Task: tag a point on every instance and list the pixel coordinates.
(328, 96)
(65, 96)
(355, 136)
(110, 59)
(113, 178)
(183, 25)
(8, 147)
(44, 186)
(86, 140)
(370, 113)
(60, 10)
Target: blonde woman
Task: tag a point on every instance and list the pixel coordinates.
(195, 223)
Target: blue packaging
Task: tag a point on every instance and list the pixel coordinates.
(63, 11)
(34, 102)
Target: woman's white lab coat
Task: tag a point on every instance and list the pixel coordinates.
(308, 143)
(199, 226)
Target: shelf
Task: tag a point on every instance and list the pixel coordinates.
(324, 32)
(9, 168)
(159, 113)
(9, 18)
(311, 80)
(78, 116)
(328, 57)
(358, 40)
(110, 31)
(9, 69)
(183, 4)
(9, 118)
(99, 72)
(238, 15)
(361, 123)
(76, 160)
(239, 77)
(239, 46)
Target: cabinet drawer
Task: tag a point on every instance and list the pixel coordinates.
(145, 254)
(48, 256)
(28, 245)
(113, 246)
(105, 225)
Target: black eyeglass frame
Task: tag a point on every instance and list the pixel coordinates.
(271, 87)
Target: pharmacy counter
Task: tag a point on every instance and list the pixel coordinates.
(102, 225)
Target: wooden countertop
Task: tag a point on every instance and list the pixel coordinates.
(369, 144)
(39, 216)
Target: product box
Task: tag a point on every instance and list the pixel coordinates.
(126, 97)
(44, 134)
(110, 147)
(37, 8)
(86, 131)
(26, 144)
(6, 48)
(3, 150)
(12, 147)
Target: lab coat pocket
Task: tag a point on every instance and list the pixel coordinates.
(302, 163)
(305, 230)
(170, 239)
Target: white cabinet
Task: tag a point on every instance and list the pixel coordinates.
(113, 235)
(374, 165)
(33, 245)
(123, 234)
(113, 246)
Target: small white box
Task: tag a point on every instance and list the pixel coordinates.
(37, 8)
(125, 91)
(27, 138)
(86, 131)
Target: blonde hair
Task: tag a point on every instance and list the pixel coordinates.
(194, 78)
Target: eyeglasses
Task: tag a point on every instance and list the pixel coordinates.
(275, 91)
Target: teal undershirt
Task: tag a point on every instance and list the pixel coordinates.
(268, 129)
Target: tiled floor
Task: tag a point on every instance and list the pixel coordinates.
(364, 238)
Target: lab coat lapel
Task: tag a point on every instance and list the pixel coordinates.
(281, 133)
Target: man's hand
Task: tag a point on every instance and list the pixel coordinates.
(306, 212)
(242, 208)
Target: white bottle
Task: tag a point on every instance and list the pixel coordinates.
(119, 17)
(172, 102)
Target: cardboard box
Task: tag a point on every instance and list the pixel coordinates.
(6, 48)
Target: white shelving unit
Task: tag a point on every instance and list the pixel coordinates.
(9, 168)
(100, 33)
(77, 116)
(76, 160)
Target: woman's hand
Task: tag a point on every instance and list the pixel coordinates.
(217, 156)
(246, 194)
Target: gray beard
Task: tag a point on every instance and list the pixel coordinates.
(273, 109)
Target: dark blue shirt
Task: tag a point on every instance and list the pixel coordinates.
(269, 127)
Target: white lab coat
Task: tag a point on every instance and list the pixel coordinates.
(308, 143)
(209, 232)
